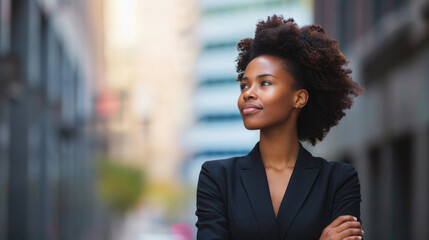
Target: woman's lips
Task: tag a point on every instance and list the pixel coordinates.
(250, 108)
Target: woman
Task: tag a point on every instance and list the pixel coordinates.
(294, 86)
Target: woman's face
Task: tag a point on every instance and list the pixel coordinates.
(267, 97)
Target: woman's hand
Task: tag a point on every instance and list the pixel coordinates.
(343, 228)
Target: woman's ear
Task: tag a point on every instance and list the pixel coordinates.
(301, 98)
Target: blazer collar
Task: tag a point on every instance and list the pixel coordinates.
(254, 160)
(254, 179)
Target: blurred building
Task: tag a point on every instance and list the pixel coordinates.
(50, 67)
(386, 133)
(218, 130)
(150, 57)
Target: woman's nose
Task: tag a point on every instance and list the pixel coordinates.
(249, 94)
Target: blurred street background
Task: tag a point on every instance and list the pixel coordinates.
(108, 108)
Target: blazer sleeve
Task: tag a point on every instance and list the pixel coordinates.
(211, 212)
(347, 196)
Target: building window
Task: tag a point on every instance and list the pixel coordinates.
(218, 153)
(402, 161)
(374, 156)
(220, 117)
(377, 8)
(383, 7)
(399, 3)
(243, 7)
(345, 27)
(220, 45)
(218, 81)
(427, 170)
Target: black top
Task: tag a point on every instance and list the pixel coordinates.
(234, 202)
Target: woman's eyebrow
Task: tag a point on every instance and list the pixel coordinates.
(265, 75)
(259, 76)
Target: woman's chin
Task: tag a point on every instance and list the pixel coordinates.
(251, 126)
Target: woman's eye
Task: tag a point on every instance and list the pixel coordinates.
(243, 86)
(265, 83)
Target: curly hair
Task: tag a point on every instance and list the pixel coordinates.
(317, 65)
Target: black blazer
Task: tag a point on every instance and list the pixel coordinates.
(234, 202)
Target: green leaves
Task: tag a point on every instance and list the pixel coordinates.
(120, 185)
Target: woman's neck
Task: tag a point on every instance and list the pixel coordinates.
(279, 146)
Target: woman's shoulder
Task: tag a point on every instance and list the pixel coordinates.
(340, 171)
(218, 164)
(220, 170)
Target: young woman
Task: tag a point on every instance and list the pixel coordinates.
(294, 87)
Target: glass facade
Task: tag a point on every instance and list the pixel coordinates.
(47, 187)
(218, 131)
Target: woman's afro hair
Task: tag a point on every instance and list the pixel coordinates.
(317, 65)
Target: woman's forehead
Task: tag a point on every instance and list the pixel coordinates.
(265, 64)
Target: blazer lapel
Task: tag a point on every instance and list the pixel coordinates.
(255, 182)
(303, 176)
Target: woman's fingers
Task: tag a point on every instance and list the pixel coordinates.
(349, 224)
(350, 232)
(344, 227)
(353, 238)
(342, 219)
